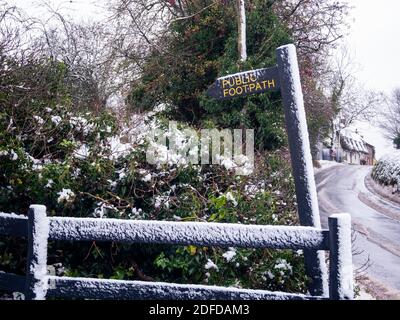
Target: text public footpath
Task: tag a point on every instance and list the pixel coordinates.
(245, 83)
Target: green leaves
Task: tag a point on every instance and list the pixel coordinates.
(199, 50)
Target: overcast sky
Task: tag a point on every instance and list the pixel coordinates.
(78, 9)
(373, 40)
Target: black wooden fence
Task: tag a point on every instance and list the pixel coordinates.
(38, 229)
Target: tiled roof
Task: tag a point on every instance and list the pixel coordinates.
(352, 141)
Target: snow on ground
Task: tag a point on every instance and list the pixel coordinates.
(325, 164)
(363, 295)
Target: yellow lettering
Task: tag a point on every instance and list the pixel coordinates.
(271, 83)
(224, 83)
(264, 84)
(245, 83)
(238, 81)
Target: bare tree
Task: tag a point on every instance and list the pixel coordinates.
(85, 51)
(349, 99)
(390, 118)
(15, 27)
(315, 24)
(335, 100)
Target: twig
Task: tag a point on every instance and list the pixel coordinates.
(194, 14)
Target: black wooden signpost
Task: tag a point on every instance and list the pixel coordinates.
(245, 83)
(285, 77)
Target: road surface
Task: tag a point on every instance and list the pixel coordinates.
(376, 227)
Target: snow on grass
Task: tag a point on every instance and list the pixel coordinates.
(229, 197)
(364, 295)
(11, 154)
(39, 119)
(282, 265)
(230, 254)
(147, 178)
(49, 184)
(81, 124)
(210, 265)
(325, 164)
(82, 152)
(65, 195)
(56, 119)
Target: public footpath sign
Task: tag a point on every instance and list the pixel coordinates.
(285, 77)
(245, 83)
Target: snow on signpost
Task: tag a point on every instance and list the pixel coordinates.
(286, 78)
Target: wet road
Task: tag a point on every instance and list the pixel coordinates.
(377, 233)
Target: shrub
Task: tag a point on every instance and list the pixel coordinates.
(387, 170)
(89, 172)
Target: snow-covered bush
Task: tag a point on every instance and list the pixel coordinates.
(94, 168)
(387, 170)
(86, 164)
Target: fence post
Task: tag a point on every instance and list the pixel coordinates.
(38, 233)
(300, 153)
(341, 266)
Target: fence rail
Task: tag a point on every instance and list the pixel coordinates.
(39, 229)
(13, 225)
(84, 288)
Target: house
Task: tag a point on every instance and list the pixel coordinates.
(354, 149)
(370, 159)
(348, 146)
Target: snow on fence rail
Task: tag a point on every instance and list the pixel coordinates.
(38, 228)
